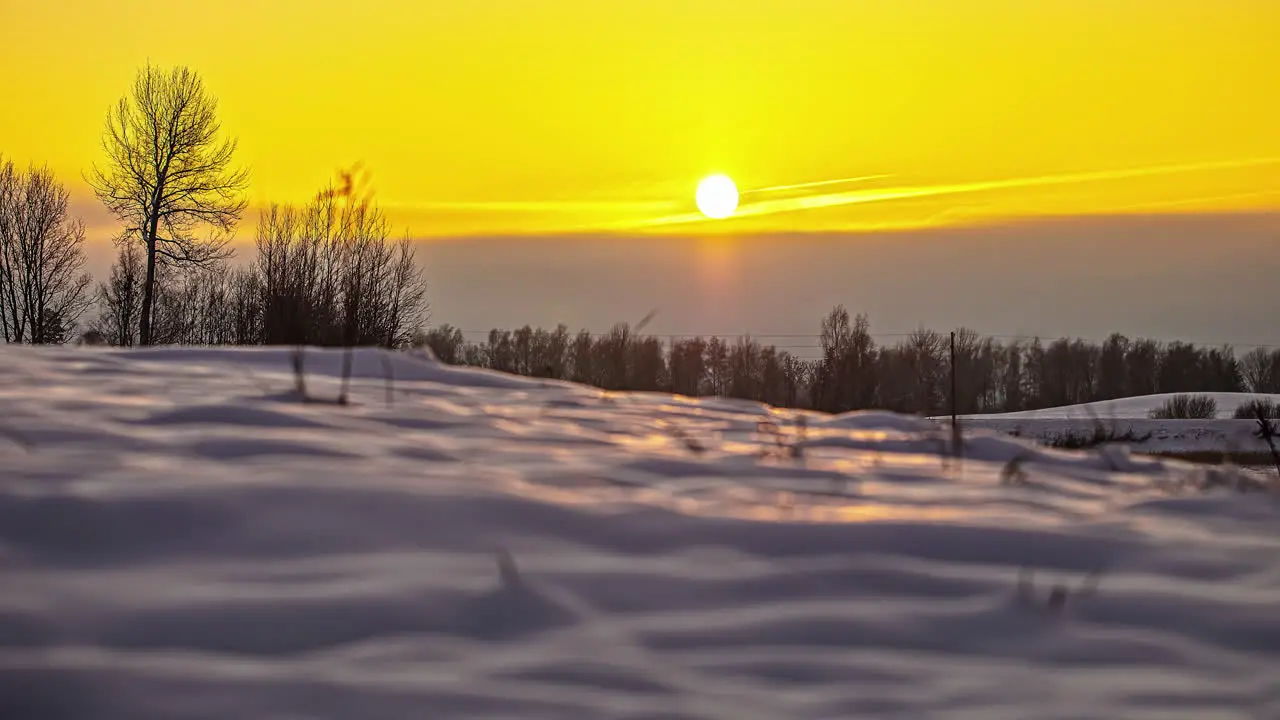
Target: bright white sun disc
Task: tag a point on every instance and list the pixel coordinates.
(717, 197)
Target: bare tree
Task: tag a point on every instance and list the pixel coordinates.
(406, 303)
(687, 365)
(43, 286)
(716, 362)
(120, 298)
(924, 351)
(330, 275)
(8, 203)
(1111, 367)
(846, 374)
(967, 346)
(584, 362)
(446, 343)
(1258, 370)
(169, 175)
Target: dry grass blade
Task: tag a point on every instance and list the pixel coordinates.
(18, 438)
(347, 359)
(508, 572)
(389, 373)
(1059, 594)
(299, 372)
(261, 384)
(691, 443)
(1089, 586)
(644, 321)
(1013, 473)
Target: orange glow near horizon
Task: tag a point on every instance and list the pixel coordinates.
(557, 116)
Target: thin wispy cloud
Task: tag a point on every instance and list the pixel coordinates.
(810, 185)
(888, 194)
(1201, 200)
(544, 206)
(554, 207)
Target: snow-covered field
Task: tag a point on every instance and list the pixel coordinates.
(1131, 417)
(181, 536)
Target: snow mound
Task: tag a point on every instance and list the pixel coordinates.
(184, 535)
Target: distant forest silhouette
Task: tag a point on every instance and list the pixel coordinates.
(856, 373)
(328, 273)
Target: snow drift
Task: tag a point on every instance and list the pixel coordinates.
(182, 535)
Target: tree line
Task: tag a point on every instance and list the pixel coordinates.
(325, 273)
(854, 372)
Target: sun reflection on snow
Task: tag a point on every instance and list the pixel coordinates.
(730, 500)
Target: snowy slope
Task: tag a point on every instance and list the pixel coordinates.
(1131, 417)
(182, 537)
(1139, 407)
(1189, 437)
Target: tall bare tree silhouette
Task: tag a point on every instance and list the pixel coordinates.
(168, 175)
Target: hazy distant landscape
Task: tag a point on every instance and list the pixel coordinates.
(1196, 279)
(1140, 276)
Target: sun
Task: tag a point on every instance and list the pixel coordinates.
(717, 197)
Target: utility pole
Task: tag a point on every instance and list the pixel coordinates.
(955, 422)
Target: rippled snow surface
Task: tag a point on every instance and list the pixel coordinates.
(182, 536)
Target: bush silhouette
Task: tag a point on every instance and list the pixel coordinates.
(1186, 407)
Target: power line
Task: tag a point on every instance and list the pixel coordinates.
(887, 335)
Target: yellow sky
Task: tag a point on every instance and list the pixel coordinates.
(501, 116)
